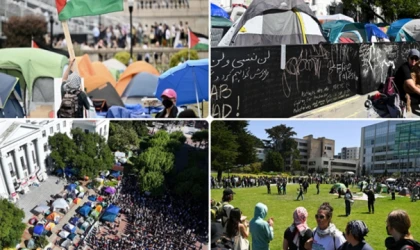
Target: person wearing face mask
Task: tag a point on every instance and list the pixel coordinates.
(355, 234)
(326, 234)
(169, 102)
(398, 224)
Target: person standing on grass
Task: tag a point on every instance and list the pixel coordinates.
(317, 187)
(300, 190)
(262, 231)
(371, 200)
(398, 224)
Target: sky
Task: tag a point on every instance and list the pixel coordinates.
(346, 133)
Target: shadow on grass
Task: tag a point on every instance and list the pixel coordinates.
(342, 215)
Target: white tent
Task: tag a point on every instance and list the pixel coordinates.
(64, 234)
(335, 17)
(390, 180)
(60, 204)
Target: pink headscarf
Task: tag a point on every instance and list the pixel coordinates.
(299, 216)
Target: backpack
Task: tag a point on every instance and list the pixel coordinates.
(219, 212)
(69, 105)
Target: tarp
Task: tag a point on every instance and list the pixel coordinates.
(60, 204)
(120, 112)
(190, 80)
(38, 230)
(7, 85)
(114, 64)
(373, 31)
(85, 210)
(42, 208)
(131, 71)
(108, 93)
(112, 209)
(142, 85)
(32, 63)
(115, 174)
(274, 22)
(108, 217)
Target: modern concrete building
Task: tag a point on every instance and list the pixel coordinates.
(332, 166)
(350, 153)
(24, 151)
(392, 146)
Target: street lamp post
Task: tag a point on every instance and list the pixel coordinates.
(51, 28)
(130, 9)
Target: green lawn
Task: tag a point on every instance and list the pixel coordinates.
(281, 208)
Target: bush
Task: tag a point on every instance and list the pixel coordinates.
(176, 58)
(124, 57)
(20, 30)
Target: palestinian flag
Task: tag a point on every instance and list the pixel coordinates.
(197, 41)
(75, 8)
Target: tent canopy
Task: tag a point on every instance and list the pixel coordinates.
(109, 217)
(142, 85)
(7, 85)
(112, 209)
(273, 22)
(60, 204)
(85, 210)
(334, 30)
(324, 19)
(395, 30)
(131, 71)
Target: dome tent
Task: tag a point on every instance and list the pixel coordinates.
(275, 22)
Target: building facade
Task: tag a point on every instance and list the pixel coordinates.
(261, 152)
(350, 153)
(100, 127)
(332, 166)
(24, 151)
(391, 146)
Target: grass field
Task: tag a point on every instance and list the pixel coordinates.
(281, 208)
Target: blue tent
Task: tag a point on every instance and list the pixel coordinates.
(92, 198)
(59, 171)
(85, 210)
(395, 30)
(74, 220)
(141, 85)
(38, 229)
(115, 174)
(190, 81)
(112, 209)
(373, 30)
(71, 187)
(9, 105)
(109, 217)
(216, 10)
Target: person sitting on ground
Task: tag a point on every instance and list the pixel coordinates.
(169, 102)
(355, 233)
(398, 224)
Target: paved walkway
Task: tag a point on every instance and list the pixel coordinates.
(352, 107)
(38, 195)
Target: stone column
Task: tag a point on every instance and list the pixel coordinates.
(29, 159)
(7, 176)
(39, 159)
(18, 167)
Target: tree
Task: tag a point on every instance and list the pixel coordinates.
(124, 57)
(256, 167)
(296, 165)
(122, 138)
(391, 9)
(12, 228)
(179, 136)
(20, 30)
(273, 162)
(223, 148)
(246, 151)
(42, 242)
(185, 54)
(258, 143)
(278, 134)
(63, 150)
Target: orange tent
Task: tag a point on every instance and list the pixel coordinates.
(93, 82)
(84, 65)
(76, 201)
(131, 71)
(52, 216)
(101, 70)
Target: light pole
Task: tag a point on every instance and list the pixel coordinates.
(130, 9)
(51, 28)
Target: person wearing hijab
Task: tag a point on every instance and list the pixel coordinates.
(298, 233)
(398, 224)
(326, 234)
(356, 231)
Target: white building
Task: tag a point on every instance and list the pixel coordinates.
(24, 150)
(350, 153)
(260, 153)
(333, 166)
(100, 127)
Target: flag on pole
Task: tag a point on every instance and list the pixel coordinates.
(197, 41)
(77, 8)
(34, 45)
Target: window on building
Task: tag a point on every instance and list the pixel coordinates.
(325, 162)
(64, 124)
(12, 172)
(58, 127)
(22, 162)
(303, 150)
(33, 157)
(329, 148)
(45, 147)
(87, 131)
(44, 133)
(51, 130)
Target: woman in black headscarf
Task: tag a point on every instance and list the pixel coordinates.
(355, 233)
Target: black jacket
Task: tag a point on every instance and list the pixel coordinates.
(173, 114)
(403, 244)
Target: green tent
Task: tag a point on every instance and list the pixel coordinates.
(217, 21)
(340, 185)
(29, 64)
(94, 214)
(342, 28)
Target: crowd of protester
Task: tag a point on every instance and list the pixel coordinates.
(153, 222)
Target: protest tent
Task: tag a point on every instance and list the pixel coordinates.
(38, 230)
(60, 204)
(85, 210)
(132, 70)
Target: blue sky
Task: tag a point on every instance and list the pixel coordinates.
(346, 133)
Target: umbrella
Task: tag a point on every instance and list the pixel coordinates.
(218, 11)
(7, 86)
(63, 234)
(390, 179)
(110, 190)
(190, 81)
